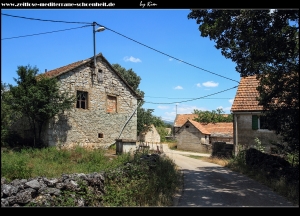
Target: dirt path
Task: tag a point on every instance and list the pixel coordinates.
(210, 185)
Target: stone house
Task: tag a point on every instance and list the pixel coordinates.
(105, 107)
(192, 136)
(181, 119)
(150, 136)
(248, 122)
(195, 136)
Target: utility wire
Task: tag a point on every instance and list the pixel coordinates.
(125, 37)
(183, 98)
(45, 33)
(44, 20)
(168, 55)
(195, 98)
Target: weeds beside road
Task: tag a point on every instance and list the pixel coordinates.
(139, 184)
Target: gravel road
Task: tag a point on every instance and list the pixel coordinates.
(210, 185)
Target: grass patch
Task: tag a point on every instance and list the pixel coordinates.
(130, 181)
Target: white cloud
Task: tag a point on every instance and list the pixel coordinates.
(170, 59)
(185, 109)
(181, 109)
(198, 85)
(231, 101)
(131, 59)
(210, 84)
(178, 87)
(163, 107)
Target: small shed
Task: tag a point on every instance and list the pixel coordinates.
(151, 135)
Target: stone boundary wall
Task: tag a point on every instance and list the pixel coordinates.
(42, 191)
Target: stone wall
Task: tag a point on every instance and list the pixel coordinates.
(95, 126)
(82, 189)
(41, 191)
(246, 134)
(191, 139)
(222, 149)
(150, 136)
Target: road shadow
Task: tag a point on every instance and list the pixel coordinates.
(219, 187)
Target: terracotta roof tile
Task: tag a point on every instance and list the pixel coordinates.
(199, 126)
(245, 98)
(61, 70)
(182, 118)
(219, 128)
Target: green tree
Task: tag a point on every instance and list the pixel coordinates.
(38, 99)
(7, 115)
(213, 116)
(265, 43)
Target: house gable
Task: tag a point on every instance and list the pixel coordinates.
(105, 109)
(151, 135)
(88, 63)
(246, 95)
(247, 114)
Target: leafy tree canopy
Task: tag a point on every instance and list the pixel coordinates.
(265, 43)
(37, 98)
(213, 116)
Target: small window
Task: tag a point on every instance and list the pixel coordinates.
(100, 76)
(187, 126)
(259, 122)
(82, 100)
(263, 122)
(111, 104)
(100, 135)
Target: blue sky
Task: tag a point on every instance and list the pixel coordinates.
(169, 62)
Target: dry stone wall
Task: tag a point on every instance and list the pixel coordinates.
(42, 191)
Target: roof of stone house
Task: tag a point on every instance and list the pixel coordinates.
(199, 126)
(220, 128)
(245, 98)
(182, 118)
(61, 70)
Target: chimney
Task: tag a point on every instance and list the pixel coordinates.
(45, 70)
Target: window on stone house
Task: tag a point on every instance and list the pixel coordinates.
(111, 104)
(259, 122)
(82, 100)
(100, 76)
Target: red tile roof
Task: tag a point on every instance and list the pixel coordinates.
(199, 126)
(245, 98)
(219, 128)
(182, 118)
(64, 69)
(214, 129)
